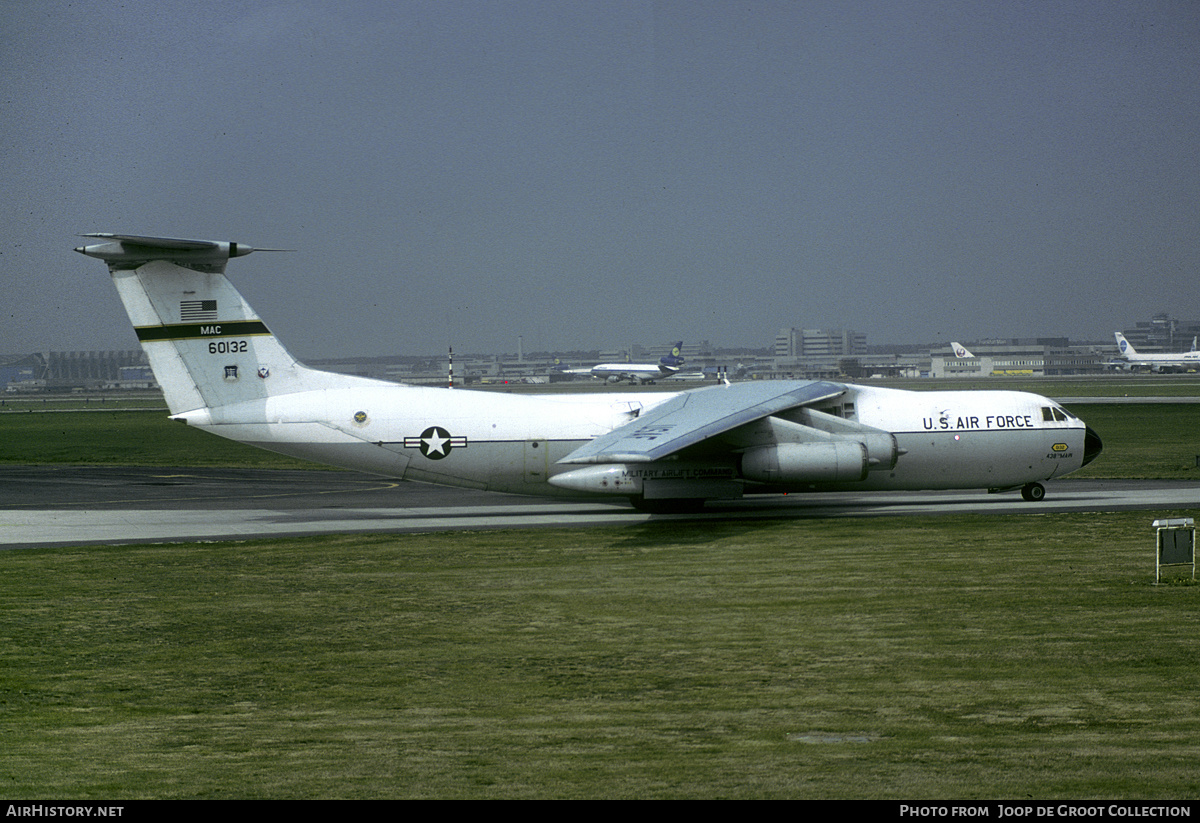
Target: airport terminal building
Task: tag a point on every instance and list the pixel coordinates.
(1021, 357)
(75, 371)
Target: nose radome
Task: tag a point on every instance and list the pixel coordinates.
(1092, 445)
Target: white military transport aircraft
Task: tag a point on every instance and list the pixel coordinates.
(222, 370)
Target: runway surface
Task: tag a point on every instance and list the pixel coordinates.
(81, 506)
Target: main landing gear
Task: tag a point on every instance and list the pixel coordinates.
(1033, 492)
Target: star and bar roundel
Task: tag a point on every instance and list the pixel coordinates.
(435, 443)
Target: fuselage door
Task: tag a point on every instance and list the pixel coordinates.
(537, 461)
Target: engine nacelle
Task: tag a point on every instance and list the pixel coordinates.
(815, 462)
(653, 481)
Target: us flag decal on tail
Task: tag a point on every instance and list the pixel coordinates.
(197, 311)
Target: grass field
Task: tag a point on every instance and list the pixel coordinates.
(125, 438)
(87, 402)
(964, 657)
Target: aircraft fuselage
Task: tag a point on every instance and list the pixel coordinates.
(512, 442)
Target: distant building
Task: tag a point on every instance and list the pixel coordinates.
(22, 372)
(134, 377)
(1163, 333)
(816, 352)
(88, 369)
(819, 344)
(1018, 357)
(64, 371)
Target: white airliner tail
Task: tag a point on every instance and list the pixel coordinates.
(1125, 348)
(206, 345)
(960, 351)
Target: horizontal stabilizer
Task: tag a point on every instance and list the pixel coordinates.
(154, 242)
(129, 251)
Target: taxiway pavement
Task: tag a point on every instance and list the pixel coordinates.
(83, 506)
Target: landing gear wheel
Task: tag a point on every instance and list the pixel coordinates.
(1033, 492)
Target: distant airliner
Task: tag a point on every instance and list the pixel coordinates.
(1184, 361)
(222, 370)
(636, 373)
(960, 351)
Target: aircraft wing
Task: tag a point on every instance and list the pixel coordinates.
(695, 416)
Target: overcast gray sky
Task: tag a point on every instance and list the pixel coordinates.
(588, 174)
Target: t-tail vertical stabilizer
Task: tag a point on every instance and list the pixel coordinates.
(206, 345)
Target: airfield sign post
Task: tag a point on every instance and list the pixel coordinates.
(1176, 544)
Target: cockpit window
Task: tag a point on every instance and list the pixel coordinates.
(1052, 413)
